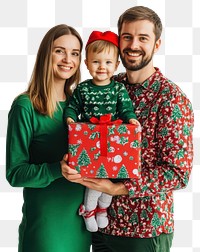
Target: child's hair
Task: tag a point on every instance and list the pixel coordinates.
(99, 46)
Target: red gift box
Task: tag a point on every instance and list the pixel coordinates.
(105, 150)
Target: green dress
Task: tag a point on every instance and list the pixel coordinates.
(35, 145)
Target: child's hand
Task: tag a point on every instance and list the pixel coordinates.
(69, 120)
(134, 121)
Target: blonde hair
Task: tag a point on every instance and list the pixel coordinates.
(41, 88)
(99, 46)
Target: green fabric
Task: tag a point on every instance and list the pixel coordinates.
(110, 243)
(90, 100)
(35, 146)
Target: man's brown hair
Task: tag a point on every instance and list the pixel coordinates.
(141, 13)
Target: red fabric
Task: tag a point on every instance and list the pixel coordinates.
(148, 209)
(103, 121)
(107, 36)
(88, 214)
(123, 142)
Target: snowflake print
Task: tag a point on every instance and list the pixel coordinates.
(117, 159)
(78, 127)
(135, 172)
(115, 168)
(115, 139)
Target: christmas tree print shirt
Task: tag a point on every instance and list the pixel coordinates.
(166, 117)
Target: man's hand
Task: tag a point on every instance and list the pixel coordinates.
(105, 186)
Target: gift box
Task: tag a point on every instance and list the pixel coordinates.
(105, 149)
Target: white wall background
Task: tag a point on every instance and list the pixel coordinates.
(22, 26)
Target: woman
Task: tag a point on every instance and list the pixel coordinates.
(36, 143)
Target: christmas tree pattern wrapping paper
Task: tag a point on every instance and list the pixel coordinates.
(105, 151)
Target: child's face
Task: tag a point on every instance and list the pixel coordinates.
(102, 65)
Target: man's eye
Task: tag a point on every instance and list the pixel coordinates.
(127, 38)
(143, 38)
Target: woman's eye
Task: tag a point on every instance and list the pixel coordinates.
(75, 54)
(60, 51)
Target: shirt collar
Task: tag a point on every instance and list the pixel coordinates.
(147, 84)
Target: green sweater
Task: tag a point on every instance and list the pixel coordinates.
(90, 100)
(35, 146)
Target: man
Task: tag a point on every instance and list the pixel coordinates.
(167, 121)
(141, 213)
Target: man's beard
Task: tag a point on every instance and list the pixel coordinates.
(131, 64)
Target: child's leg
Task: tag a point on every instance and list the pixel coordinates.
(91, 199)
(89, 211)
(103, 203)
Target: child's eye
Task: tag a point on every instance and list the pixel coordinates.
(108, 62)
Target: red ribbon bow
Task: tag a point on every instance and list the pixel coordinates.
(103, 122)
(88, 214)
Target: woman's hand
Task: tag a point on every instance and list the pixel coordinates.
(69, 173)
(99, 184)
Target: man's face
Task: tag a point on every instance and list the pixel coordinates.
(137, 44)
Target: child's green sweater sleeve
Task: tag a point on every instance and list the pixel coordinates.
(124, 105)
(75, 106)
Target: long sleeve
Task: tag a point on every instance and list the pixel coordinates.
(166, 118)
(90, 100)
(75, 106)
(124, 104)
(22, 168)
(168, 164)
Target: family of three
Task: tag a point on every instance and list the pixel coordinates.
(140, 212)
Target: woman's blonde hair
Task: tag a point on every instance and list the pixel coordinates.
(40, 89)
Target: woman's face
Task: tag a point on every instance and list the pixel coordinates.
(65, 57)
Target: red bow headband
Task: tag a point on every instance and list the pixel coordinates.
(107, 36)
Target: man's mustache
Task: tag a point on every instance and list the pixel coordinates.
(128, 50)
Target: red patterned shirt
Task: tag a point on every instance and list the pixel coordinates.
(166, 117)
